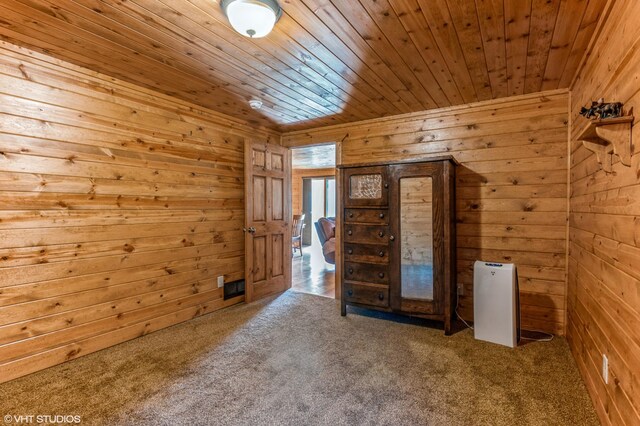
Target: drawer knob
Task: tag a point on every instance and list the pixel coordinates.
(381, 254)
(381, 215)
(391, 238)
(350, 251)
(350, 214)
(350, 292)
(351, 270)
(386, 185)
(380, 295)
(350, 232)
(381, 234)
(381, 274)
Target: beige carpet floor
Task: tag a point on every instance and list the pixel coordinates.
(292, 360)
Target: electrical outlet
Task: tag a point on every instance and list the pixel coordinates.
(605, 368)
(460, 289)
(220, 281)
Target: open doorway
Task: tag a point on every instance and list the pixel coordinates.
(318, 201)
(314, 198)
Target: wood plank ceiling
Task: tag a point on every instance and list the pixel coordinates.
(327, 61)
(314, 157)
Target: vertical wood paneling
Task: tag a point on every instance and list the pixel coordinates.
(543, 16)
(517, 17)
(492, 26)
(325, 62)
(604, 262)
(511, 186)
(119, 207)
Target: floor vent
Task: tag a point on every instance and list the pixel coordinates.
(233, 289)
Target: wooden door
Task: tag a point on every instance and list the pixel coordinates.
(418, 253)
(267, 219)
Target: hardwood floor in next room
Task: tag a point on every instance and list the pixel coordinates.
(311, 274)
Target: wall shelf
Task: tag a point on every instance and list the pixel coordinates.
(608, 137)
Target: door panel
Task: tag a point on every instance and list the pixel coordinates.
(417, 257)
(278, 253)
(416, 238)
(259, 157)
(259, 199)
(260, 259)
(277, 199)
(277, 162)
(267, 219)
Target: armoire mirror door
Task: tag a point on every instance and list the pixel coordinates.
(417, 257)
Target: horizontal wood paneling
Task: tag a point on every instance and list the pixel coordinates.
(511, 186)
(119, 207)
(296, 184)
(325, 62)
(604, 263)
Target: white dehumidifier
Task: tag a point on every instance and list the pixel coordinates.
(496, 305)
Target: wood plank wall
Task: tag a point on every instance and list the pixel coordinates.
(296, 184)
(604, 262)
(511, 186)
(119, 207)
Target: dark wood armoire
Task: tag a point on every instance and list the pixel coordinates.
(398, 238)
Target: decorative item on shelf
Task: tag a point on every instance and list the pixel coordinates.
(252, 18)
(599, 110)
(608, 133)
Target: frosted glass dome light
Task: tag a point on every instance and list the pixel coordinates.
(252, 18)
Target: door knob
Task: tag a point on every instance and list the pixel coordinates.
(250, 230)
(350, 292)
(391, 238)
(381, 254)
(350, 214)
(351, 270)
(350, 251)
(386, 185)
(349, 232)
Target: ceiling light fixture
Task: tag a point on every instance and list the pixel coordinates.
(252, 18)
(255, 103)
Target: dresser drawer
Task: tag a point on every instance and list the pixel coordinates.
(374, 216)
(366, 272)
(366, 234)
(369, 253)
(366, 294)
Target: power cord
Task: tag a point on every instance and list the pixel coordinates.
(548, 338)
(457, 314)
